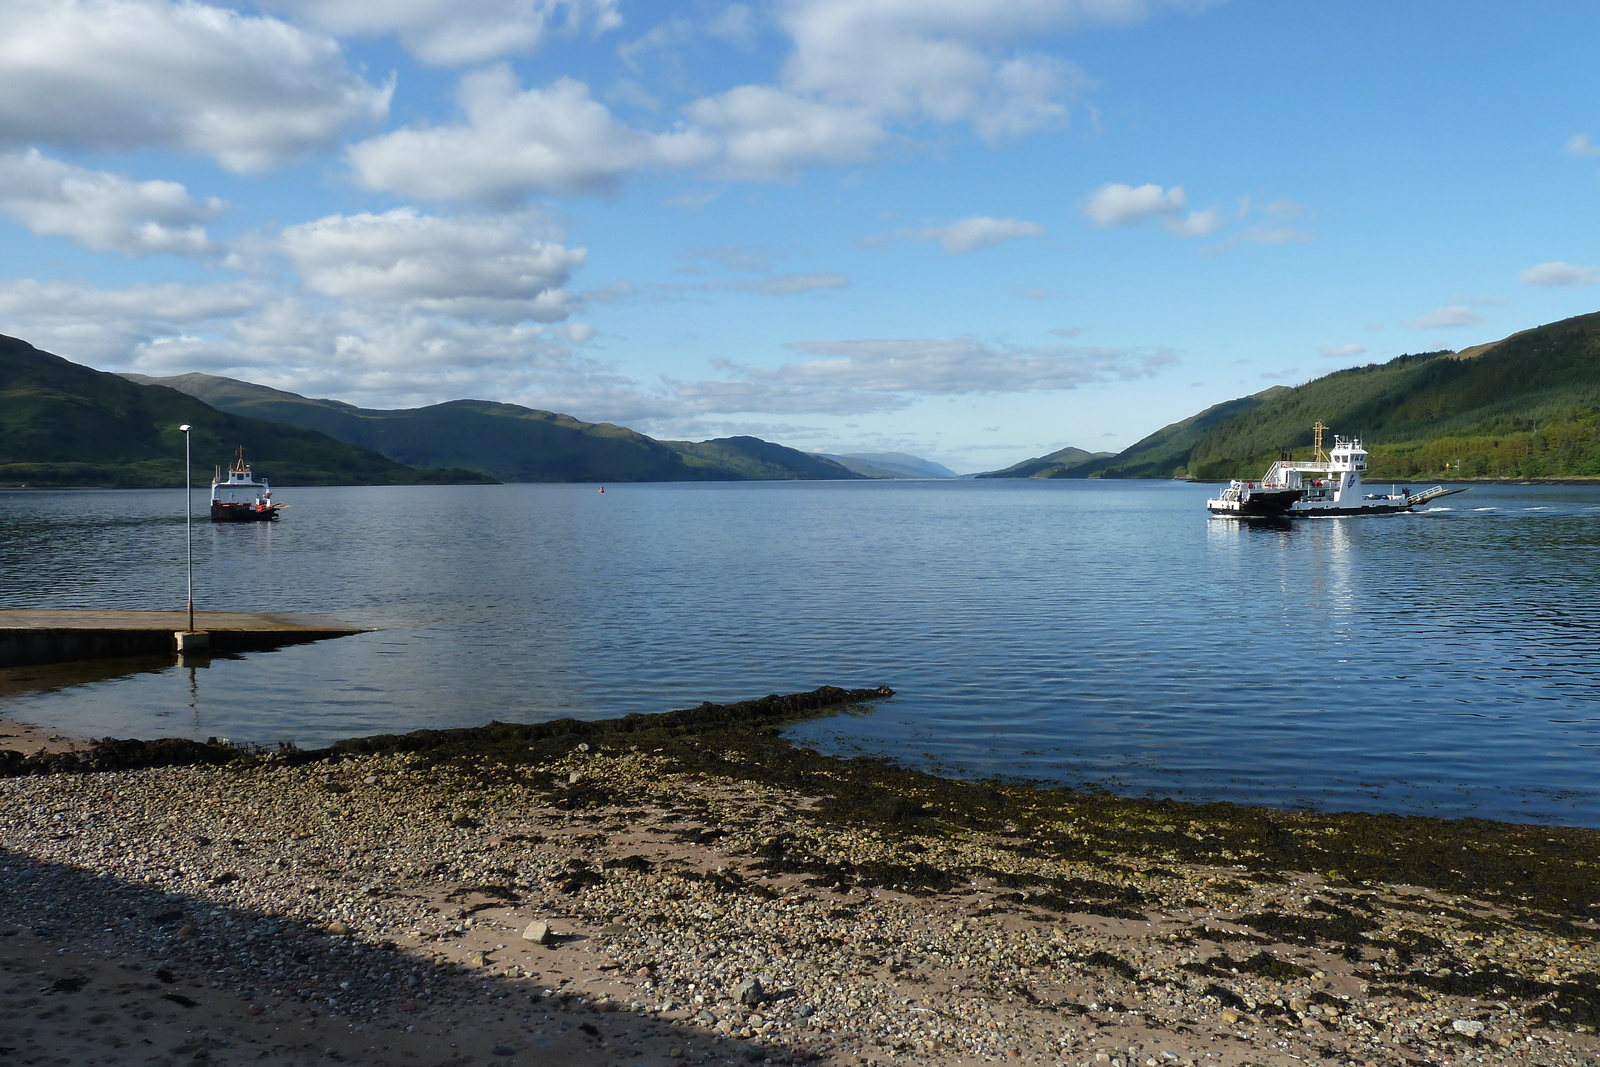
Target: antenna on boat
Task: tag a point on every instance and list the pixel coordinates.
(1322, 457)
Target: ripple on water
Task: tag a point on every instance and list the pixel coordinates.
(1086, 632)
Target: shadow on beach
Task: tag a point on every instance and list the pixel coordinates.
(98, 969)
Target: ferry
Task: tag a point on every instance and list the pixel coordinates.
(241, 496)
(1329, 484)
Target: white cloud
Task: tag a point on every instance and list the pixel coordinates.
(123, 74)
(81, 321)
(101, 211)
(1341, 351)
(1116, 204)
(979, 231)
(856, 70)
(767, 133)
(402, 360)
(380, 357)
(848, 377)
(1557, 275)
(514, 142)
(1196, 223)
(457, 32)
(1580, 145)
(1445, 317)
(949, 61)
(794, 284)
(487, 269)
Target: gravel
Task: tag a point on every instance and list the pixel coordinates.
(402, 904)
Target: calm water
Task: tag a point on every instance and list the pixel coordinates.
(1087, 632)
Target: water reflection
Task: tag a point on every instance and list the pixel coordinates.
(1082, 632)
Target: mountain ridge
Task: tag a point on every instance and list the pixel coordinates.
(64, 424)
(510, 442)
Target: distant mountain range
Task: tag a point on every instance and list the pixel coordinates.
(508, 442)
(1527, 406)
(66, 424)
(1056, 465)
(891, 465)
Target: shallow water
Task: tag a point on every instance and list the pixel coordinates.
(1084, 632)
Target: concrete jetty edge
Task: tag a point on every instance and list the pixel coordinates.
(33, 636)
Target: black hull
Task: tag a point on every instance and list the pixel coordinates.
(1263, 504)
(243, 513)
(1335, 513)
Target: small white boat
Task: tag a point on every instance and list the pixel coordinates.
(1327, 485)
(241, 496)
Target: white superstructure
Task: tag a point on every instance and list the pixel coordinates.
(1328, 484)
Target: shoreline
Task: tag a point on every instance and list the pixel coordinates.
(304, 901)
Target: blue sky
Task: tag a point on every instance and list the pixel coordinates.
(975, 230)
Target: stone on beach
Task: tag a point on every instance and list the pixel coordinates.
(537, 931)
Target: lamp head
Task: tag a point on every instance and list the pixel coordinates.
(184, 427)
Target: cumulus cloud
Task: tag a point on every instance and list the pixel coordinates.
(857, 76)
(399, 360)
(795, 284)
(1445, 317)
(381, 357)
(101, 211)
(763, 132)
(951, 61)
(248, 91)
(1580, 145)
(1116, 204)
(846, 377)
(486, 269)
(1196, 223)
(979, 231)
(82, 321)
(514, 142)
(1557, 275)
(457, 32)
(1342, 351)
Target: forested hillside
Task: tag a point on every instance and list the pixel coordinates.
(1524, 407)
(66, 424)
(508, 441)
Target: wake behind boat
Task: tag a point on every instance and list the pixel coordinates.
(242, 497)
(1327, 485)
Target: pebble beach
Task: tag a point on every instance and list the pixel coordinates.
(673, 894)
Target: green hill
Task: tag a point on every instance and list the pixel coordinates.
(1165, 453)
(752, 458)
(1524, 407)
(62, 424)
(1062, 463)
(509, 442)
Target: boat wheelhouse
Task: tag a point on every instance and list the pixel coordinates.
(1327, 484)
(241, 496)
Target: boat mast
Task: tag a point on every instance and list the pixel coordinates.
(1321, 457)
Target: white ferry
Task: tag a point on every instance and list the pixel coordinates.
(1329, 484)
(241, 497)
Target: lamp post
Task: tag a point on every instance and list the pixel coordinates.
(188, 518)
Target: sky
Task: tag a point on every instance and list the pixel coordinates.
(972, 230)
